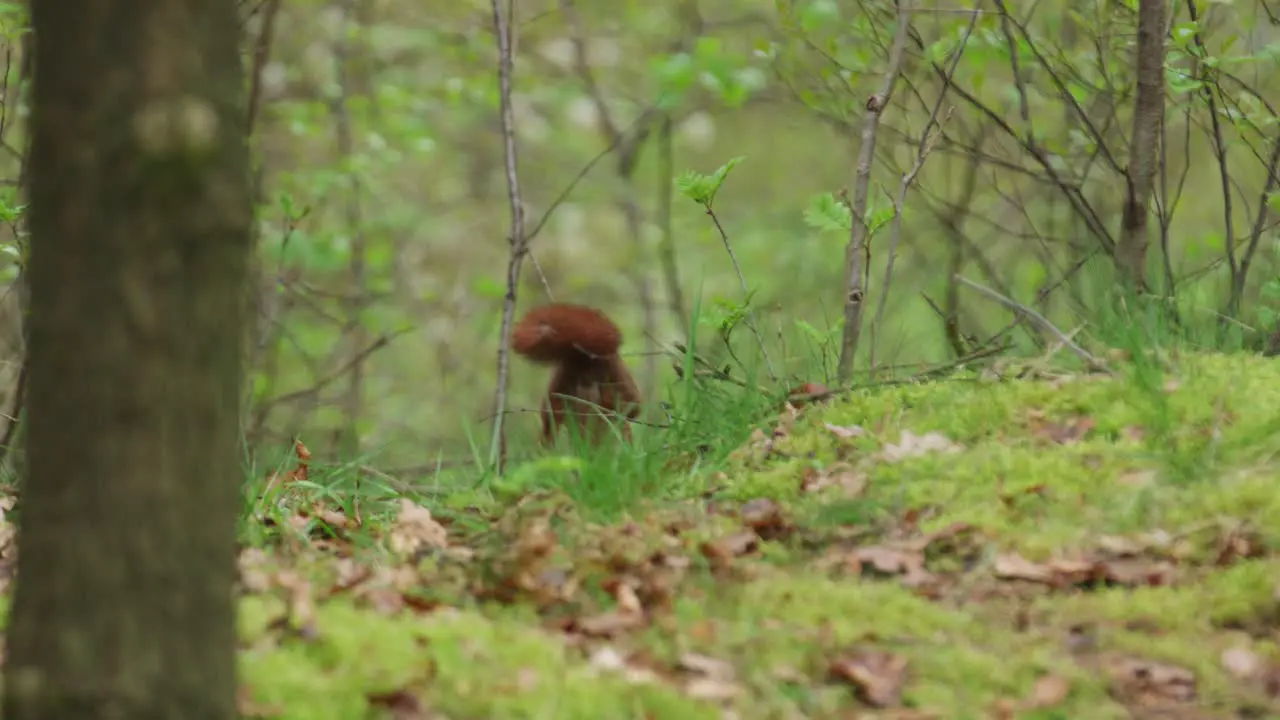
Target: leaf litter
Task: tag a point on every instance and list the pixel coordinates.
(639, 570)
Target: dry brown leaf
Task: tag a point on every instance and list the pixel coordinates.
(721, 552)
(1120, 546)
(1049, 690)
(629, 615)
(1239, 543)
(335, 519)
(1150, 685)
(399, 705)
(876, 676)
(255, 576)
(383, 589)
(759, 446)
(851, 481)
(301, 609)
(711, 689)
(628, 601)
(536, 539)
(706, 666)
(1004, 709)
(1064, 572)
(910, 445)
(1137, 478)
(608, 659)
(1137, 572)
(890, 560)
(1068, 432)
(415, 529)
(1012, 566)
(802, 395)
(609, 623)
(845, 432)
(766, 518)
(298, 474)
(1241, 662)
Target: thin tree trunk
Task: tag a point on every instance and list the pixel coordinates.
(856, 254)
(140, 217)
(1148, 115)
(353, 331)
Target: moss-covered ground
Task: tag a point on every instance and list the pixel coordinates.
(979, 546)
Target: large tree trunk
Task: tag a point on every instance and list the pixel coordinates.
(140, 218)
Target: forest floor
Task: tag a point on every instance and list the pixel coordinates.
(1050, 546)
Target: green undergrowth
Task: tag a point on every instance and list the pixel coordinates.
(1016, 543)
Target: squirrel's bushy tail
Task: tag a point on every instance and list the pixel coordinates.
(562, 332)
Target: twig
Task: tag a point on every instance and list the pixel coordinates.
(379, 343)
(1264, 211)
(25, 74)
(1220, 153)
(261, 54)
(1093, 362)
(11, 428)
(855, 260)
(519, 243)
(929, 372)
(560, 199)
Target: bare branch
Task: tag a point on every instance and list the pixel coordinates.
(855, 254)
(332, 377)
(519, 243)
(261, 55)
(1093, 362)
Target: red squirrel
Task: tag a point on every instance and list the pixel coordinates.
(590, 380)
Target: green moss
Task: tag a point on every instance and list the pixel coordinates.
(797, 621)
(1172, 452)
(463, 663)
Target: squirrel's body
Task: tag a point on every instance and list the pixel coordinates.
(590, 381)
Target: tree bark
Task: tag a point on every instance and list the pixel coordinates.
(1148, 115)
(140, 218)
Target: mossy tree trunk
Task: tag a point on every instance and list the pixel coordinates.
(140, 221)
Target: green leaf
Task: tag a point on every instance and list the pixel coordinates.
(827, 214)
(1271, 289)
(701, 188)
(878, 214)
